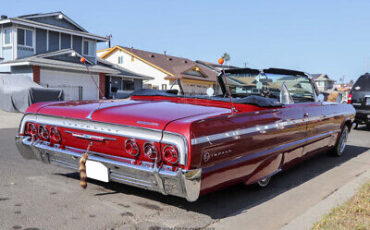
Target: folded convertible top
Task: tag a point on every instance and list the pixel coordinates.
(252, 100)
(270, 70)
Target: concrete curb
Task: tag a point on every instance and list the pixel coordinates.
(314, 214)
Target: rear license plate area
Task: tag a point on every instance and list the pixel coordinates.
(96, 170)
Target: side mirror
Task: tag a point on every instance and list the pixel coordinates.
(320, 98)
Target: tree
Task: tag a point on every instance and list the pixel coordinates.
(226, 57)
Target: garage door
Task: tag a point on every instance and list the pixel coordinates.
(76, 86)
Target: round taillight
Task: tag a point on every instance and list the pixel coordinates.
(131, 147)
(43, 132)
(150, 151)
(55, 135)
(170, 154)
(31, 129)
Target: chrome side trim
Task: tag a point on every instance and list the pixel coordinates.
(259, 128)
(112, 129)
(363, 111)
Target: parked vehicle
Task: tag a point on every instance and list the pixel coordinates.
(360, 99)
(264, 122)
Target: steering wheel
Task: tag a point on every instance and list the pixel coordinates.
(265, 92)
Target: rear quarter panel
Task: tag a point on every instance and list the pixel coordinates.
(243, 146)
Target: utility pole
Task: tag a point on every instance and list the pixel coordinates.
(109, 37)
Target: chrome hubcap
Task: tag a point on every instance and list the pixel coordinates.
(343, 140)
(264, 182)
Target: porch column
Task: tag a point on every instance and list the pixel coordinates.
(36, 74)
(102, 85)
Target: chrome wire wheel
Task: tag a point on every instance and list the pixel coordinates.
(341, 146)
(343, 141)
(264, 182)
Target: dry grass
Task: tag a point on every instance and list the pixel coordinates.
(354, 214)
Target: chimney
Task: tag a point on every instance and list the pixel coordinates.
(4, 17)
(165, 52)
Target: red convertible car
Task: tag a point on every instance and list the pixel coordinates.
(264, 121)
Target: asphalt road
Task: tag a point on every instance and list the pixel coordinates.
(40, 196)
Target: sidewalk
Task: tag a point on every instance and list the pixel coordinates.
(291, 209)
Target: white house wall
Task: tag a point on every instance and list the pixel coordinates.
(139, 67)
(69, 82)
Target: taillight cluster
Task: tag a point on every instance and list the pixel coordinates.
(132, 147)
(169, 153)
(349, 98)
(150, 151)
(43, 132)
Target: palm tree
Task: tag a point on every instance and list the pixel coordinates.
(226, 57)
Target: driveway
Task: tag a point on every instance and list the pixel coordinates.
(39, 196)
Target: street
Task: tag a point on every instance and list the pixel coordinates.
(34, 195)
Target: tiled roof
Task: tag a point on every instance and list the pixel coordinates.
(46, 61)
(40, 15)
(25, 21)
(177, 66)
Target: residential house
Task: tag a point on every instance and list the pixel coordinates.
(48, 47)
(323, 82)
(168, 71)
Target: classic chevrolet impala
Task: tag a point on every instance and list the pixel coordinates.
(264, 121)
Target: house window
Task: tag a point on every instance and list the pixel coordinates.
(7, 36)
(164, 86)
(25, 37)
(120, 60)
(128, 85)
(89, 48)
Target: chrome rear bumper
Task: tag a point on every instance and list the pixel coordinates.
(182, 183)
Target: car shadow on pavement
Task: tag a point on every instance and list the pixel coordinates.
(363, 128)
(240, 198)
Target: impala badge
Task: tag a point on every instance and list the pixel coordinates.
(90, 137)
(147, 123)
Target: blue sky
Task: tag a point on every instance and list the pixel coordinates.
(330, 37)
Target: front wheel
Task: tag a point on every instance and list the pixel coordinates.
(341, 145)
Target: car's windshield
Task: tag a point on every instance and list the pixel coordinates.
(269, 85)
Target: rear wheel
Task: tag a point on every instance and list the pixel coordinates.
(341, 145)
(264, 182)
(368, 125)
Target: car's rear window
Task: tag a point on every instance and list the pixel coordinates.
(363, 83)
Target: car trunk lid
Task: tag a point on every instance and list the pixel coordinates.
(149, 114)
